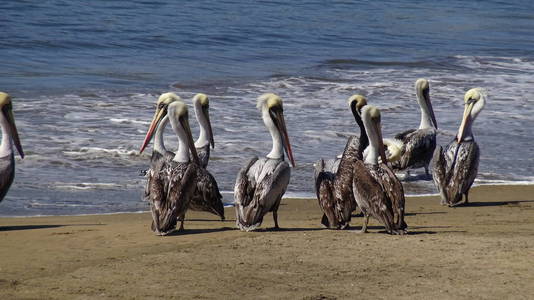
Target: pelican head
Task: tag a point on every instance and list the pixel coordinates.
(161, 111)
(474, 99)
(201, 103)
(6, 109)
(272, 110)
(356, 102)
(422, 89)
(372, 121)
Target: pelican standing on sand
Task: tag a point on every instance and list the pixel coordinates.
(207, 196)
(377, 190)
(413, 148)
(262, 182)
(334, 186)
(171, 188)
(205, 139)
(455, 169)
(10, 136)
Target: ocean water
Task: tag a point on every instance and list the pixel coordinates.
(85, 76)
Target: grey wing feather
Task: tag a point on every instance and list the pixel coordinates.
(244, 186)
(455, 170)
(207, 196)
(419, 146)
(266, 181)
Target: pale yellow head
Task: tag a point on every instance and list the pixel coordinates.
(202, 99)
(358, 101)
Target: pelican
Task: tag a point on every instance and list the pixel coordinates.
(205, 139)
(455, 168)
(10, 136)
(262, 182)
(377, 190)
(171, 188)
(207, 198)
(414, 148)
(334, 186)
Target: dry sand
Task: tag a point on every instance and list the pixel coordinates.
(484, 250)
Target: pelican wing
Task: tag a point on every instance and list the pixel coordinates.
(259, 190)
(7, 173)
(370, 196)
(206, 196)
(404, 135)
(245, 186)
(456, 170)
(180, 178)
(419, 146)
(393, 189)
(325, 194)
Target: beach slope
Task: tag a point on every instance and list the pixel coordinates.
(484, 250)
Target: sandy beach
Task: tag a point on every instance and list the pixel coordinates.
(482, 251)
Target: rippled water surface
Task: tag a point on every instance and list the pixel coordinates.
(85, 77)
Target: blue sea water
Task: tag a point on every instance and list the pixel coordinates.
(84, 77)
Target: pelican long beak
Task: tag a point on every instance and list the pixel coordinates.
(185, 125)
(278, 118)
(466, 120)
(430, 109)
(205, 110)
(12, 128)
(158, 116)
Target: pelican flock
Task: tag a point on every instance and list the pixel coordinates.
(414, 148)
(10, 138)
(205, 195)
(262, 182)
(456, 167)
(361, 177)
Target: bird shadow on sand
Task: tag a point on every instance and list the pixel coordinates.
(211, 220)
(199, 231)
(426, 213)
(496, 203)
(30, 227)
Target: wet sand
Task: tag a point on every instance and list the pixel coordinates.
(481, 251)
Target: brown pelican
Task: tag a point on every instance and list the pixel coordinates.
(377, 190)
(10, 136)
(205, 139)
(207, 196)
(417, 145)
(334, 186)
(262, 182)
(171, 188)
(455, 169)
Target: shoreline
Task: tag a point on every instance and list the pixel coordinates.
(230, 205)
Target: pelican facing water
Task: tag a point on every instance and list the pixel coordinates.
(333, 186)
(10, 137)
(262, 182)
(413, 148)
(455, 169)
(377, 190)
